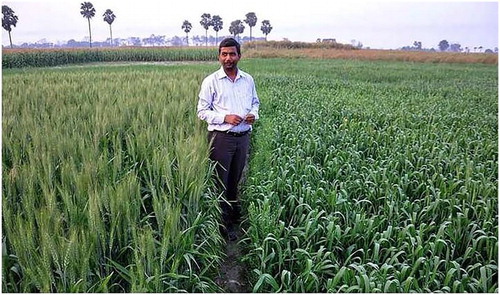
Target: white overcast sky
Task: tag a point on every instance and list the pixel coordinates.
(377, 24)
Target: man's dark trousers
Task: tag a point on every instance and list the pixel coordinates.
(229, 150)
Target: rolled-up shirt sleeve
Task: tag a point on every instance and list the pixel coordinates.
(205, 109)
(255, 103)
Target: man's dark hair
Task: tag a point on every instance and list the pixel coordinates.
(230, 42)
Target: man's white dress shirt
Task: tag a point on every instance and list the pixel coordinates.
(220, 96)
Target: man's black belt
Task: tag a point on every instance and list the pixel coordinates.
(235, 134)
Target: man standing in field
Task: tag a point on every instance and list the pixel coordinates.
(228, 102)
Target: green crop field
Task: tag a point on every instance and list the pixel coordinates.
(374, 177)
(365, 176)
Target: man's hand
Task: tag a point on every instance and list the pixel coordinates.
(250, 119)
(233, 119)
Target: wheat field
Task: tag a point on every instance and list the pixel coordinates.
(364, 176)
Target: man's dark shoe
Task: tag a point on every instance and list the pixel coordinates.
(232, 232)
(232, 236)
(235, 214)
(229, 232)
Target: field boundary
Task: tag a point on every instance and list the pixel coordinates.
(375, 55)
(20, 58)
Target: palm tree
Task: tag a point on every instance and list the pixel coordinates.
(9, 19)
(109, 17)
(266, 27)
(186, 26)
(236, 28)
(88, 12)
(206, 22)
(443, 45)
(217, 26)
(251, 20)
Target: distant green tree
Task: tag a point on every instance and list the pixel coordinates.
(187, 26)
(88, 12)
(251, 20)
(236, 28)
(109, 17)
(9, 19)
(206, 23)
(217, 26)
(443, 45)
(266, 27)
(456, 47)
(417, 45)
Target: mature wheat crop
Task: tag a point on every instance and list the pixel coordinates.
(106, 182)
(374, 177)
(53, 57)
(373, 55)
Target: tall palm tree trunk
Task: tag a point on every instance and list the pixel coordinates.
(111, 36)
(10, 39)
(90, 33)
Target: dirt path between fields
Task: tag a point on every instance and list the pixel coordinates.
(232, 276)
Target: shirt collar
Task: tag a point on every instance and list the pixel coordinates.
(221, 74)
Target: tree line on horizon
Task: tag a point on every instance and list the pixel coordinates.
(444, 45)
(236, 28)
(88, 11)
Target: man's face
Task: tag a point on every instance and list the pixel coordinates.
(228, 57)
